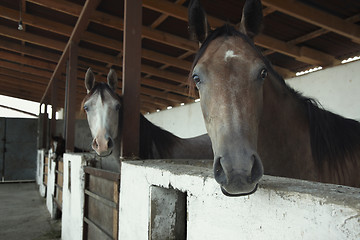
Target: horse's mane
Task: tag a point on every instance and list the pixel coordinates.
(151, 134)
(333, 137)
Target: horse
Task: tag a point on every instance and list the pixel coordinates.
(256, 122)
(103, 107)
(57, 144)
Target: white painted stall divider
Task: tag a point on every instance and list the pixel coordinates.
(40, 171)
(50, 191)
(280, 209)
(73, 196)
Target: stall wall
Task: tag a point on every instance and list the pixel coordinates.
(336, 88)
(281, 208)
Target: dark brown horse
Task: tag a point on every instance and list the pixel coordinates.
(104, 113)
(256, 121)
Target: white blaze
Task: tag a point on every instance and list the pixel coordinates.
(229, 54)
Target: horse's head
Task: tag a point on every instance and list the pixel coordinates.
(229, 73)
(103, 109)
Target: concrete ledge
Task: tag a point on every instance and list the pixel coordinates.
(280, 209)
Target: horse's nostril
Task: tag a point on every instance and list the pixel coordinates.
(219, 172)
(256, 170)
(110, 143)
(95, 144)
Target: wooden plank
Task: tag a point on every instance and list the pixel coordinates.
(131, 78)
(94, 231)
(102, 187)
(61, 166)
(113, 176)
(101, 199)
(316, 17)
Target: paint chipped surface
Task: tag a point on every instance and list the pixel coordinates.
(318, 210)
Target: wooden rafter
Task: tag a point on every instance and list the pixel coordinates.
(316, 17)
(33, 54)
(79, 28)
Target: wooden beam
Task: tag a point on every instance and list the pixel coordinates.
(148, 54)
(80, 87)
(71, 80)
(118, 23)
(21, 84)
(304, 54)
(25, 60)
(314, 34)
(18, 110)
(31, 78)
(131, 79)
(30, 51)
(87, 53)
(316, 17)
(79, 28)
(54, 104)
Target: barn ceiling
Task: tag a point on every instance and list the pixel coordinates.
(297, 35)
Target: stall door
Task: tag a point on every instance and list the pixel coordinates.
(19, 159)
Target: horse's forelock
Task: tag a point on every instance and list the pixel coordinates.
(100, 87)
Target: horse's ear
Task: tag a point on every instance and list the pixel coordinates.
(251, 20)
(198, 24)
(89, 80)
(112, 79)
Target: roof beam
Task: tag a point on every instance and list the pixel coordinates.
(179, 12)
(99, 40)
(80, 27)
(304, 54)
(87, 53)
(316, 17)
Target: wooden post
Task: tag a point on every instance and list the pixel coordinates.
(45, 127)
(131, 78)
(71, 80)
(54, 106)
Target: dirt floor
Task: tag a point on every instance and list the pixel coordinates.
(23, 214)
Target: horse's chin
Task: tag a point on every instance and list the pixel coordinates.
(238, 194)
(106, 154)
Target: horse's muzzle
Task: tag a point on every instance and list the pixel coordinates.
(240, 194)
(236, 178)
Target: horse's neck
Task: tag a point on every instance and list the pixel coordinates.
(284, 139)
(157, 143)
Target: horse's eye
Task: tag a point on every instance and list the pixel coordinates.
(263, 74)
(86, 108)
(196, 79)
(117, 107)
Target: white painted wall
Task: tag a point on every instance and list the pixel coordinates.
(337, 89)
(184, 121)
(280, 209)
(73, 197)
(40, 171)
